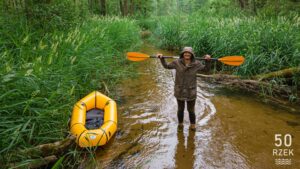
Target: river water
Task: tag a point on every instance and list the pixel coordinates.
(233, 130)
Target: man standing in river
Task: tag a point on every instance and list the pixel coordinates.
(185, 89)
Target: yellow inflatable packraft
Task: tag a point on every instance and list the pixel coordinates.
(101, 135)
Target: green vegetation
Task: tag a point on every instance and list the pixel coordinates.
(54, 52)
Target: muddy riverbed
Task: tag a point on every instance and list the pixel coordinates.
(234, 130)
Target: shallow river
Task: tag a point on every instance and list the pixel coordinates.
(233, 130)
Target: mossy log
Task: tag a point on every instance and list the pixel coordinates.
(50, 148)
(43, 154)
(34, 163)
(281, 73)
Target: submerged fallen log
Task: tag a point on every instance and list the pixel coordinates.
(255, 86)
(277, 94)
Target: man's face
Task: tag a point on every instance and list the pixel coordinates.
(187, 55)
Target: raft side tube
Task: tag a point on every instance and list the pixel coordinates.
(78, 115)
(111, 109)
(101, 100)
(89, 101)
(110, 128)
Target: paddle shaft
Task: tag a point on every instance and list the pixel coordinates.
(228, 60)
(176, 57)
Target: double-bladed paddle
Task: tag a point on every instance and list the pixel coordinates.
(228, 60)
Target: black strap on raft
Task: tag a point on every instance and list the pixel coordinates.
(78, 106)
(100, 139)
(107, 103)
(80, 135)
(105, 134)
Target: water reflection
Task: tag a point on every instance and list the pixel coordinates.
(184, 155)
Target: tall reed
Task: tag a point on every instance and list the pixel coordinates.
(269, 44)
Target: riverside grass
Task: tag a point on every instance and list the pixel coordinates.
(268, 43)
(42, 78)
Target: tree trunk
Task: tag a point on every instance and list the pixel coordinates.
(6, 5)
(277, 4)
(121, 7)
(254, 6)
(94, 6)
(17, 5)
(103, 7)
(27, 10)
(241, 2)
(13, 4)
(23, 4)
(90, 5)
(246, 3)
(125, 7)
(131, 7)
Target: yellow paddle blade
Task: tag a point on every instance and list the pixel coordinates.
(232, 60)
(136, 57)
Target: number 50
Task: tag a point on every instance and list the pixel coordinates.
(287, 140)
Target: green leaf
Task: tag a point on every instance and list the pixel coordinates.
(58, 163)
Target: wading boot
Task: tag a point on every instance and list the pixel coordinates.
(193, 127)
(180, 126)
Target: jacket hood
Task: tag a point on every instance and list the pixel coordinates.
(187, 49)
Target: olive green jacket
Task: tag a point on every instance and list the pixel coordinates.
(185, 80)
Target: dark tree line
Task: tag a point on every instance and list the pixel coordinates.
(275, 5)
(121, 7)
(44, 11)
(100, 7)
